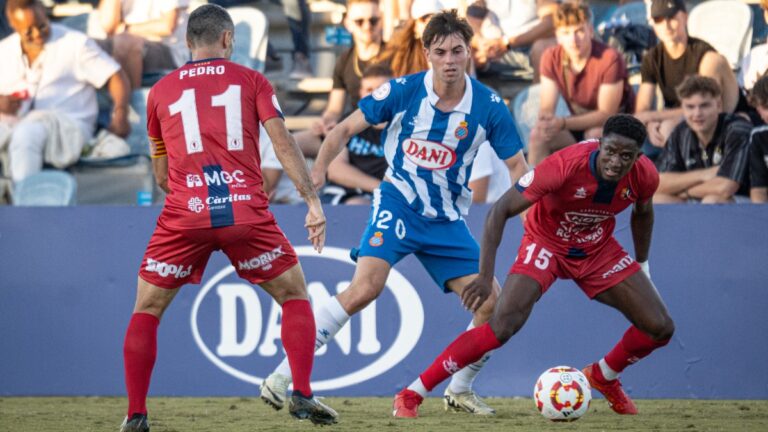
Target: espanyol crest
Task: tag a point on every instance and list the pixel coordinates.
(237, 325)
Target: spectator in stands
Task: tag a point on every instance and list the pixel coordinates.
(511, 34)
(405, 51)
(706, 156)
(299, 19)
(145, 36)
(669, 62)
(755, 64)
(758, 144)
(5, 29)
(48, 85)
(590, 76)
(490, 176)
(363, 20)
(359, 168)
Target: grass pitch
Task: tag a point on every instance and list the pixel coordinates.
(53, 414)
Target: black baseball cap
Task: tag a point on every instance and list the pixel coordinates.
(666, 8)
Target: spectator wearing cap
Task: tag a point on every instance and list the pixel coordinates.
(511, 34)
(48, 84)
(668, 63)
(363, 21)
(405, 51)
(758, 144)
(145, 36)
(589, 75)
(755, 64)
(706, 156)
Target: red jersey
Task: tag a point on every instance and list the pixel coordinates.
(574, 209)
(205, 116)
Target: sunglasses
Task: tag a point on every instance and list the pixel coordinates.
(373, 21)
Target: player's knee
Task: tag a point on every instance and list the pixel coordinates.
(661, 329)
(504, 327)
(359, 295)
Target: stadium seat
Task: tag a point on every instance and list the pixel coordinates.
(251, 29)
(724, 24)
(46, 188)
(525, 110)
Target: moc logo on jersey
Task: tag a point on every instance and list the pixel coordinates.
(237, 325)
(428, 154)
(165, 269)
(219, 177)
(195, 204)
(263, 261)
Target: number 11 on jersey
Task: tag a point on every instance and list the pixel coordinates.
(233, 114)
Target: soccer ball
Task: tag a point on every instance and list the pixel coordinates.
(562, 393)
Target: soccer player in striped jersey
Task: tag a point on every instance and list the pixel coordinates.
(203, 122)
(573, 196)
(435, 123)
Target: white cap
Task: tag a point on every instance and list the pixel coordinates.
(419, 8)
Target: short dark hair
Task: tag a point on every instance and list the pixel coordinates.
(206, 24)
(443, 24)
(627, 126)
(697, 84)
(378, 70)
(758, 96)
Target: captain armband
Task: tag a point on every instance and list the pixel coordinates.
(157, 148)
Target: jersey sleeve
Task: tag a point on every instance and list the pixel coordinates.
(758, 160)
(267, 106)
(616, 70)
(502, 132)
(548, 68)
(648, 180)
(381, 105)
(93, 65)
(156, 143)
(547, 177)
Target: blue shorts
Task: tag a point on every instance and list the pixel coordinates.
(445, 248)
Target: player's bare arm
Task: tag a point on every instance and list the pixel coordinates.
(289, 155)
(517, 166)
(334, 142)
(511, 204)
(642, 229)
(160, 170)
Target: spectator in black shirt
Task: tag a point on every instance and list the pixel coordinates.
(705, 157)
(758, 144)
(676, 56)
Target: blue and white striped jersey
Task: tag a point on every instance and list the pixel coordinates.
(430, 153)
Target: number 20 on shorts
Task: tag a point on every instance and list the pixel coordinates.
(382, 221)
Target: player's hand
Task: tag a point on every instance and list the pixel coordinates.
(9, 104)
(318, 176)
(476, 293)
(315, 224)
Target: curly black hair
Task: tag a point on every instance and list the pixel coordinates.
(627, 126)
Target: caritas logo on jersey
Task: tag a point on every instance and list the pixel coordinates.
(237, 325)
(428, 154)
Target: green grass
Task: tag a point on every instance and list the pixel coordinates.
(84, 414)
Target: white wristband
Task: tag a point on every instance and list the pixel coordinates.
(646, 268)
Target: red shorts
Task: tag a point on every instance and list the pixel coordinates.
(593, 274)
(260, 252)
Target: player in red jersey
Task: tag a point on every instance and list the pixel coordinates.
(203, 123)
(573, 197)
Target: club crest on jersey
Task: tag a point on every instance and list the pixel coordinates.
(428, 154)
(377, 239)
(626, 193)
(526, 180)
(461, 131)
(580, 193)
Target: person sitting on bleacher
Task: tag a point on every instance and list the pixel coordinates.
(357, 171)
(758, 144)
(706, 156)
(668, 63)
(145, 36)
(589, 75)
(755, 64)
(48, 84)
(363, 21)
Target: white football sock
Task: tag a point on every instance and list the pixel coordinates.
(462, 380)
(329, 319)
(418, 387)
(608, 373)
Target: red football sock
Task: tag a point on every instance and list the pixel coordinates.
(469, 347)
(139, 353)
(298, 333)
(633, 346)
